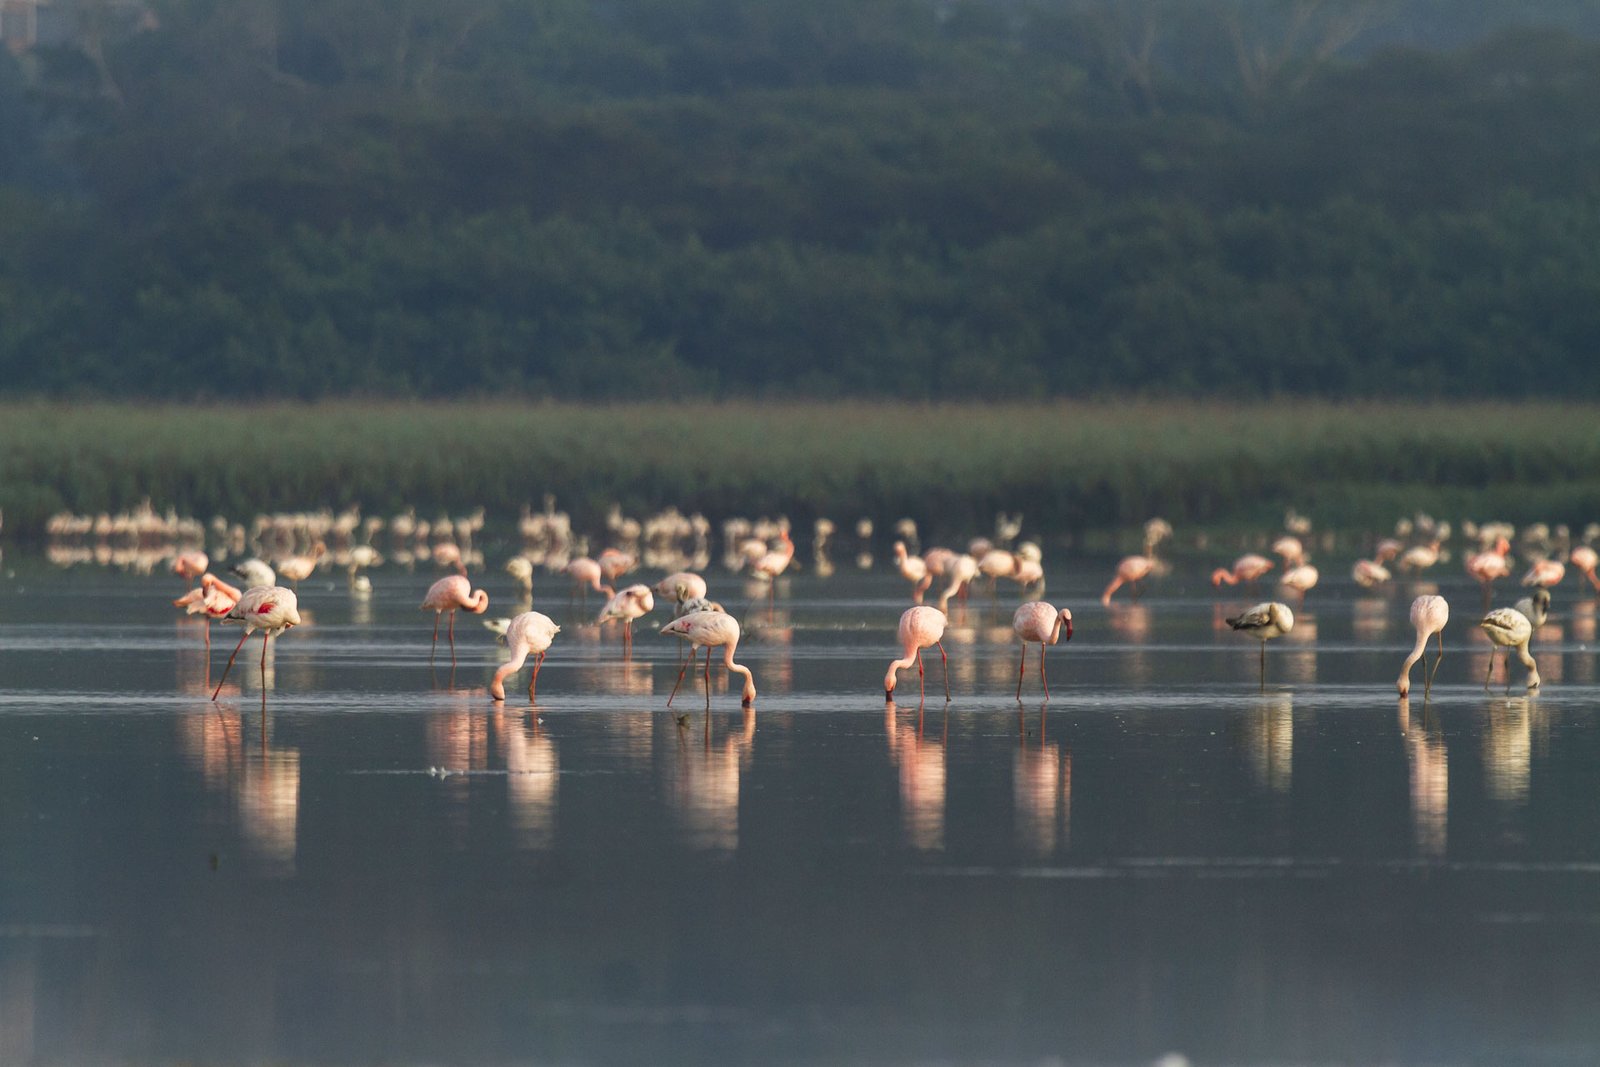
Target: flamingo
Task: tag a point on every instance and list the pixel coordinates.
(1509, 628)
(1131, 571)
(1246, 568)
(271, 609)
(708, 630)
(521, 570)
(449, 595)
(1369, 573)
(1545, 572)
(190, 564)
(913, 569)
(919, 627)
(1429, 615)
(997, 563)
(1038, 621)
(254, 572)
(1420, 557)
(628, 604)
(1584, 560)
(299, 568)
(774, 563)
(682, 586)
(1489, 565)
(960, 571)
(528, 634)
(586, 575)
(1302, 578)
(1264, 622)
(1535, 606)
(614, 563)
(213, 598)
(1289, 547)
(448, 554)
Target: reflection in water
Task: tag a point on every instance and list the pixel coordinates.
(1430, 779)
(1507, 750)
(630, 678)
(921, 763)
(532, 776)
(1370, 618)
(457, 740)
(1041, 790)
(703, 783)
(1268, 740)
(269, 807)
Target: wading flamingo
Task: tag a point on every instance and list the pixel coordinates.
(521, 570)
(1264, 622)
(913, 569)
(919, 628)
(1246, 568)
(1584, 560)
(450, 595)
(960, 571)
(1038, 621)
(1290, 549)
(1429, 615)
(1535, 607)
(585, 574)
(1488, 566)
(298, 568)
(1369, 573)
(214, 598)
(1510, 629)
(448, 554)
(254, 572)
(634, 602)
(1131, 571)
(1419, 558)
(1545, 572)
(1302, 578)
(708, 630)
(684, 585)
(188, 565)
(614, 563)
(528, 634)
(271, 609)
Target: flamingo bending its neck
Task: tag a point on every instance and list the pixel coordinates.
(1510, 629)
(628, 604)
(1040, 622)
(528, 634)
(1246, 568)
(270, 609)
(919, 628)
(708, 630)
(1131, 571)
(1429, 615)
(448, 595)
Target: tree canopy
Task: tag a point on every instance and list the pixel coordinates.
(920, 198)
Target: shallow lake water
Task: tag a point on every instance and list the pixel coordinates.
(364, 860)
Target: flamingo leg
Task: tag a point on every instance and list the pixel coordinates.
(946, 660)
(435, 637)
(452, 638)
(1490, 672)
(1263, 666)
(708, 683)
(1044, 678)
(264, 636)
(1427, 685)
(682, 671)
(537, 663)
(922, 691)
(240, 645)
(627, 639)
(1022, 664)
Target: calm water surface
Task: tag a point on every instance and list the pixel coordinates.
(366, 861)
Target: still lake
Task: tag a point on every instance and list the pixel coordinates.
(366, 861)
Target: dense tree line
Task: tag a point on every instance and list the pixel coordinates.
(940, 198)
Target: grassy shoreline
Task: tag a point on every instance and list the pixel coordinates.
(1069, 467)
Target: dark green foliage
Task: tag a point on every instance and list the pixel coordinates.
(946, 200)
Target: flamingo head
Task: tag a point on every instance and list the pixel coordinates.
(1064, 620)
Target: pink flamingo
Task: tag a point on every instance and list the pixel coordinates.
(1420, 557)
(1302, 578)
(1131, 571)
(1289, 547)
(708, 630)
(449, 595)
(913, 569)
(1038, 621)
(1429, 615)
(1369, 573)
(919, 628)
(448, 554)
(271, 609)
(1545, 572)
(528, 634)
(960, 571)
(628, 604)
(614, 563)
(1246, 568)
(1583, 560)
(299, 568)
(1490, 565)
(586, 575)
(774, 563)
(213, 598)
(188, 565)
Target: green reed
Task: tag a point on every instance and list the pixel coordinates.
(1070, 467)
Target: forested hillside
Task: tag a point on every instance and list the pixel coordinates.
(921, 198)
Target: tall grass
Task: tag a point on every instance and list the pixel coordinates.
(1070, 467)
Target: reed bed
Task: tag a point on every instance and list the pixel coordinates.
(1072, 467)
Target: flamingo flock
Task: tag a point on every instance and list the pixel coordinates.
(766, 551)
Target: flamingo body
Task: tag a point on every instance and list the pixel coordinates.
(447, 596)
(1429, 614)
(270, 609)
(528, 634)
(1509, 628)
(1130, 571)
(1264, 622)
(708, 630)
(1247, 568)
(920, 627)
(1044, 625)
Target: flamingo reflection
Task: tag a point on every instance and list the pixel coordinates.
(920, 761)
(1268, 740)
(704, 788)
(532, 775)
(1508, 750)
(1430, 779)
(1041, 790)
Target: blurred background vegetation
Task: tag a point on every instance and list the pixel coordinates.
(945, 199)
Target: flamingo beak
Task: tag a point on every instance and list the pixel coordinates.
(1066, 630)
